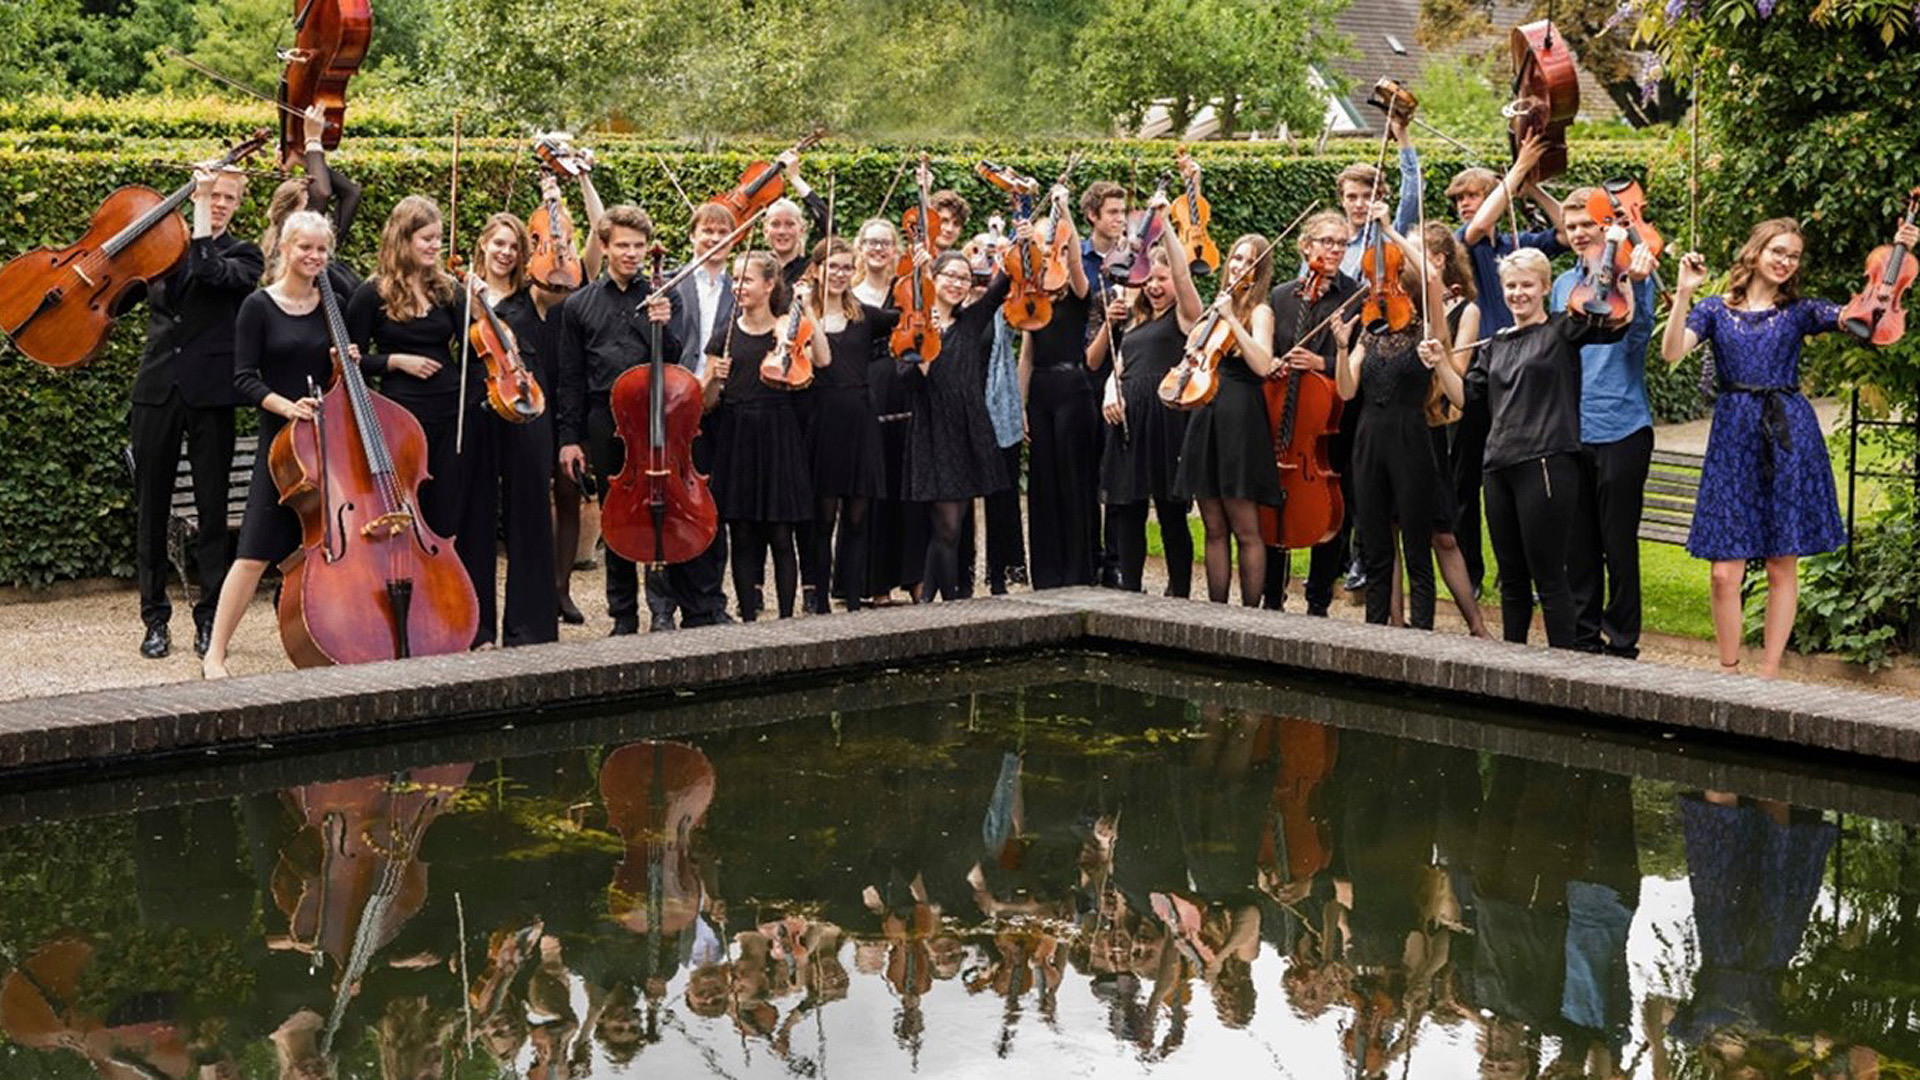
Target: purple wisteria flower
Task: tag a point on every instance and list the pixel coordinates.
(1766, 8)
(1649, 78)
(1677, 8)
(1628, 9)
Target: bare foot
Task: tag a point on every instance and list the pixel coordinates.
(212, 668)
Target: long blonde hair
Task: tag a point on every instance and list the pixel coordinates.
(1748, 259)
(398, 270)
(289, 196)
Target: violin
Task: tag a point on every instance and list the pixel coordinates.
(1304, 410)
(1876, 313)
(1623, 203)
(57, 305)
(1028, 305)
(1059, 246)
(1128, 264)
(658, 511)
(1387, 306)
(761, 185)
(656, 794)
(330, 42)
(914, 339)
(1546, 94)
(1601, 295)
(789, 364)
(371, 579)
(1393, 99)
(512, 391)
(552, 259)
(1190, 215)
(1193, 382)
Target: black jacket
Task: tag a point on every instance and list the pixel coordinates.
(1529, 378)
(190, 332)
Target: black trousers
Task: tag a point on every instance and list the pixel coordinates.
(1063, 478)
(1330, 560)
(1603, 559)
(1395, 475)
(1127, 529)
(155, 432)
(1006, 542)
(509, 468)
(1469, 451)
(899, 529)
(1530, 513)
(695, 589)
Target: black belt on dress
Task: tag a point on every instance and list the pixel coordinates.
(1773, 420)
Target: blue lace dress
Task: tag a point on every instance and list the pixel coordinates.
(1766, 488)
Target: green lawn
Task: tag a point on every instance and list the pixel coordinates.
(1673, 584)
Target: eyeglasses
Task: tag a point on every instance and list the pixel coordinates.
(1784, 256)
(1326, 241)
(961, 279)
(876, 242)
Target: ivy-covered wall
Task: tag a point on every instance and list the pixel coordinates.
(64, 495)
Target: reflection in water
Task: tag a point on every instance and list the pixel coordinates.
(1061, 878)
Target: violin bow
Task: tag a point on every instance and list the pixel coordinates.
(453, 248)
(674, 180)
(231, 82)
(1693, 176)
(893, 185)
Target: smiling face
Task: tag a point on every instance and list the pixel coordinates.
(878, 251)
(838, 272)
(952, 281)
(501, 250)
(626, 251)
(1780, 258)
(1583, 233)
(783, 233)
(1523, 290)
(752, 285)
(709, 240)
(224, 199)
(424, 244)
(1240, 263)
(306, 252)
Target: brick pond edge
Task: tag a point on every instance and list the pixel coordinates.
(79, 731)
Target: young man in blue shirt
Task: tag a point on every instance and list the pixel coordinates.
(1616, 436)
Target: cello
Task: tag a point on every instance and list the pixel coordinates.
(371, 579)
(760, 184)
(658, 511)
(1546, 94)
(58, 305)
(1876, 313)
(914, 339)
(552, 259)
(656, 794)
(330, 42)
(1304, 410)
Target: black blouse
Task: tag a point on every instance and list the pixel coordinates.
(1529, 379)
(855, 347)
(276, 353)
(432, 335)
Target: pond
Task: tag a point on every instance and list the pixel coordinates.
(1062, 866)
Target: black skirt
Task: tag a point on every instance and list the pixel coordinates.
(844, 451)
(1141, 462)
(1228, 452)
(268, 531)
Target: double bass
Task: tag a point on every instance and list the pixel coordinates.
(1877, 314)
(1304, 410)
(58, 305)
(1546, 94)
(371, 579)
(329, 44)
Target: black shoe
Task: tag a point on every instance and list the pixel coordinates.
(623, 627)
(1318, 611)
(202, 636)
(660, 624)
(157, 643)
(570, 612)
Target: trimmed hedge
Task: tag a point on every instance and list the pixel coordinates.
(67, 501)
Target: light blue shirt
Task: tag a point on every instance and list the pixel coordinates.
(1404, 218)
(1613, 378)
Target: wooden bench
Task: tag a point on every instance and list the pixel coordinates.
(182, 521)
(1673, 484)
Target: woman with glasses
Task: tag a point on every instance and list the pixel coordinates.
(1766, 487)
(897, 533)
(953, 456)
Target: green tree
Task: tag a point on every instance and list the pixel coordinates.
(26, 27)
(1247, 58)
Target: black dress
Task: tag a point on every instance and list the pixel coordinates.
(759, 453)
(1141, 464)
(1228, 453)
(435, 401)
(274, 353)
(952, 453)
(1063, 461)
(844, 450)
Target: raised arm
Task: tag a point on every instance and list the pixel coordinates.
(1678, 340)
(1486, 220)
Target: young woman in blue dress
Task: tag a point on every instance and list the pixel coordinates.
(1766, 487)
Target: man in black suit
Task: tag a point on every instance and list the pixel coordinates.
(185, 389)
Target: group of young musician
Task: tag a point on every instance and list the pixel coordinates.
(1495, 394)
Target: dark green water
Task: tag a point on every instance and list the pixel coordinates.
(1069, 866)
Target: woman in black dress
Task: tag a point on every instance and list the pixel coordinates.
(1063, 433)
(953, 457)
(510, 463)
(280, 349)
(1396, 473)
(1227, 462)
(760, 478)
(897, 535)
(406, 321)
(1144, 437)
(843, 432)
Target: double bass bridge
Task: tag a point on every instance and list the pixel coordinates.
(388, 525)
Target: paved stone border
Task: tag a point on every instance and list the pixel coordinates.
(95, 729)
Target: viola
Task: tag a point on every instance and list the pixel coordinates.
(1388, 306)
(512, 391)
(330, 42)
(656, 794)
(1190, 214)
(1060, 247)
(1601, 295)
(658, 511)
(1877, 313)
(1304, 409)
(1546, 94)
(1028, 305)
(761, 184)
(1128, 264)
(789, 364)
(57, 305)
(371, 580)
(914, 339)
(552, 258)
